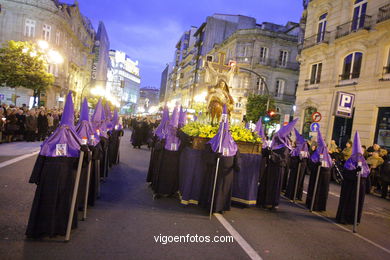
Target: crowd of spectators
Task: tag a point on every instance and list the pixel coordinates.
(24, 124)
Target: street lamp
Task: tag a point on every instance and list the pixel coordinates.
(262, 82)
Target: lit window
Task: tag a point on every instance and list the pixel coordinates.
(315, 76)
(29, 28)
(352, 65)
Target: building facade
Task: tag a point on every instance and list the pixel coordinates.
(344, 73)
(66, 30)
(148, 99)
(124, 81)
(101, 58)
(270, 51)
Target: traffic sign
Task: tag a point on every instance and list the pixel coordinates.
(314, 127)
(344, 107)
(316, 117)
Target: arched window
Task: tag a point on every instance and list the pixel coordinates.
(351, 66)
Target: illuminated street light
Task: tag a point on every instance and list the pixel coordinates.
(44, 45)
(55, 57)
(201, 97)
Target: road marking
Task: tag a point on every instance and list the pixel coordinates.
(342, 227)
(240, 240)
(17, 159)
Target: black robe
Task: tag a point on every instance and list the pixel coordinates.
(224, 184)
(322, 188)
(104, 142)
(94, 181)
(155, 160)
(137, 135)
(83, 179)
(113, 147)
(346, 209)
(166, 179)
(55, 179)
(270, 186)
(294, 164)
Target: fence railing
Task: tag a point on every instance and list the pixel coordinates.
(360, 23)
(316, 39)
(384, 13)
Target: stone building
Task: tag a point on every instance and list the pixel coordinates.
(344, 73)
(65, 29)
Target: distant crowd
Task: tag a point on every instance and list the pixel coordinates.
(24, 124)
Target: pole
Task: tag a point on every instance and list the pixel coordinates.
(117, 154)
(97, 165)
(296, 181)
(315, 188)
(216, 169)
(357, 198)
(87, 187)
(74, 197)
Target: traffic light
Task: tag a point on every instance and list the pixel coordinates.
(268, 116)
(271, 113)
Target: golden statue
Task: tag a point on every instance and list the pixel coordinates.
(218, 96)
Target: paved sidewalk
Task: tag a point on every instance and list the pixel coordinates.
(18, 148)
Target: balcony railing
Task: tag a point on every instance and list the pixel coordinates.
(278, 64)
(386, 70)
(311, 84)
(384, 13)
(244, 60)
(349, 76)
(284, 97)
(316, 39)
(362, 22)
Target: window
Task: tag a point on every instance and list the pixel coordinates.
(244, 50)
(46, 32)
(260, 86)
(263, 54)
(359, 14)
(279, 87)
(351, 67)
(29, 28)
(58, 37)
(321, 28)
(283, 57)
(387, 67)
(315, 76)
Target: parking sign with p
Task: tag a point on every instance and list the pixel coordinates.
(344, 105)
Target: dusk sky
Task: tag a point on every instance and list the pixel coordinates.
(148, 30)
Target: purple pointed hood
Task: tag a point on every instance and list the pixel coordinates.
(99, 120)
(64, 142)
(280, 139)
(301, 148)
(260, 132)
(356, 157)
(115, 120)
(107, 112)
(172, 140)
(228, 147)
(68, 114)
(322, 149)
(84, 111)
(182, 117)
(161, 130)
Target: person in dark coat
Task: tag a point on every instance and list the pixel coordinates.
(320, 159)
(355, 165)
(31, 126)
(137, 134)
(271, 182)
(43, 126)
(385, 176)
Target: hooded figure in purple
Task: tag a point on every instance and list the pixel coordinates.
(108, 117)
(64, 141)
(161, 131)
(260, 132)
(84, 129)
(172, 140)
(298, 161)
(99, 120)
(54, 174)
(228, 147)
(355, 165)
(223, 149)
(182, 117)
(115, 121)
(268, 195)
(319, 160)
(166, 178)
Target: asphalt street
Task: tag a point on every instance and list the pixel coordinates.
(125, 221)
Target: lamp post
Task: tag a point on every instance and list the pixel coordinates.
(262, 81)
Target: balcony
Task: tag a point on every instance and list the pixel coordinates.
(284, 97)
(247, 60)
(278, 64)
(348, 79)
(316, 39)
(384, 13)
(385, 74)
(311, 84)
(363, 22)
